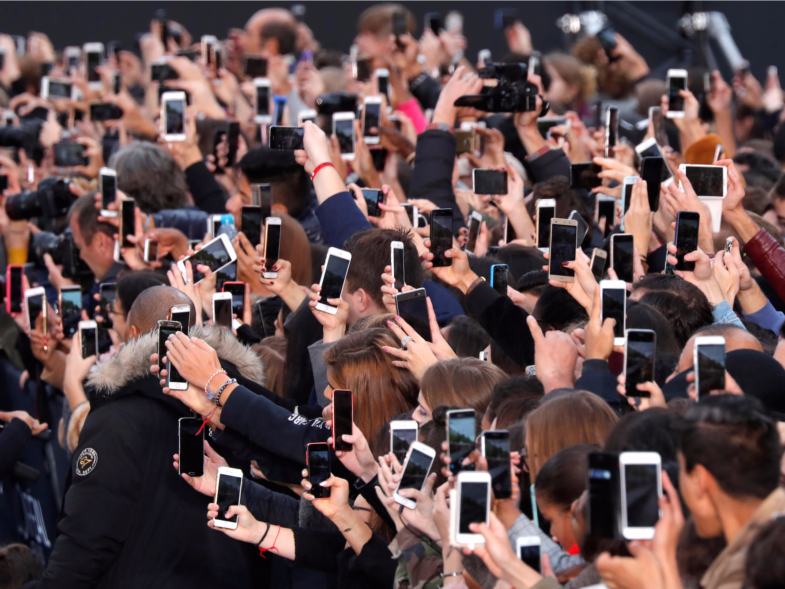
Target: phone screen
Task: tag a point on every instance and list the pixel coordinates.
(585, 175)
(184, 319)
(263, 101)
(416, 470)
(372, 198)
(228, 494)
(563, 246)
(93, 61)
(191, 452)
(598, 266)
(251, 224)
(16, 289)
(603, 475)
(255, 67)
(222, 310)
(127, 222)
(530, 555)
(164, 331)
(214, 255)
(288, 138)
(544, 216)
(398, 267)
(59, 89)
(474, 231)
(238, 297)
(69, 154)
(108, 190)
(651, 172)
(711, 368)
(622, 256)
(640, 361)
(318, 469)
(706, 180)
(70, 310)
(497, 453)
(383, 84)
(499, 280)
(342, 419)
(344, 131)
(402, 438)
(373, 114)
(413, 308)
(613, 304)
(108, 295)
(627, 197)
(272, 244)
(640, 485)
(175, 117)
(364, 69)
(489, 182)
(89, 342)
(686, 239)
(441, 236)
(333, 278)
(675, 100)
(474, 505)
(607, 209)
(461, 435)
(35, 305)
(611, 129)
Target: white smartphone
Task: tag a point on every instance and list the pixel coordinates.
(56, 89)
(475, 222)
(626, 196)
(383, 81)
(372, 119)
(415, 470)
(528, 550)
(173, 116)
(215, 255)
(228, 489)
(563, 247)
(413, 213)
(272, 245)
(222, 309)
(397, 264)
(262, 91)
(677, 81)
(181, 314)
(613, 294)
(641, 489)
(150, 251)
(107, 186)
(707, 181)
(93, 56)
(208, 41)
(708, 361)
(35, 303)
(213, 225)
(473, 505)
(403, 433)
(306, 115)
(336, 266)
(343, 129)
(88, 335)
(546, 210)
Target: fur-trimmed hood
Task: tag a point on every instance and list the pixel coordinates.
(132, 362)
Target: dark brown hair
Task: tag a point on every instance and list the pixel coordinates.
(272, 351)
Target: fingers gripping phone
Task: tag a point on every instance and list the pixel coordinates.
(415, 471)
(613, 294)
(336, 266)
(402, 434)
(441, 236)
(709, 364)
(190, 446)
(461, 435)
(317, 459)
(272, 245)
(342, 418)
(639, 360)
(228, 489)
(686, 238)
(88, 334)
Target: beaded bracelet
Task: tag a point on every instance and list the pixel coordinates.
(207, 391)
(221, 390)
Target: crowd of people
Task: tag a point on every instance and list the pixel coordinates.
(536, 361)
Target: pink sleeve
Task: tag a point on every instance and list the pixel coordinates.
(411, 108)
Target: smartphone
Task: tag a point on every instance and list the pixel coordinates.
(415, 470)
(473, 494)
(598, 261)
(251, 224)
(333, 277)
(56, 89)
(262, 196)
(605, 206)
(70, 308)
(708, 360)
(373, 197)
(412, 213)
(255, 66)
(272, 245)
(222, 309)
(603, 492)
(496, 449)
(614, 305)
(213, 224)
(475, 221)
(441, 236)
(237, 290)
(677, 81)
(465, 142)
(564, 243)
(628, 184)
(13, 288)
(546, 210)
(69, 154)
(362, 69)
(655, 116)
(161, 71)
(707, 181)
(639, 353)
(686, 238)
(317, 458)
(165, 329)
(93, 56)
(611, 130)
(173, 116)
(108, 293)
(150, 251)
(262, 90)
(583, 226)
(286, 138)
(641, 489)
(651, 172)
(105, 111)
(190, 435)
(127, 221)
(499, 278)
(489, 181)
(182, 315)
(383, 81)
(607, 38)
(621, 255)
(343, 416)
(402, 434)
(343, 129)
(528, 550)
(398, 264)
(461, 436)
(372, 119)
(215, 255)
(228, 489)
(207, 43)
(535, 66)
(88, 333)
(412, 307)
(35, 303)
(107, 186)
(585, 175)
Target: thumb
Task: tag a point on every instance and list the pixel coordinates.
(547, 569)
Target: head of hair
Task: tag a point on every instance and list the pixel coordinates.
(290, 185)
(565, 420)
(778, 190)
(574, 73)
(463, 382)
(515, 410)
(728, 331)
(778, 144)
(520, 259)
(130, 286)
(504, 362)
(763, 171)
(646, 431)
(283, 32)
(19, 565)
(516, 387)
(378, 19)
(757, 200)
(765, 567)
(649, 93)
(433, 433)
(533, 281)
(558, 309)
(770, 229)
(766, 337)
(643, 316)
(686, 315)
(296, 249)
(149, 175)
(733, 439)
(567, 200)
(373, 322)
(612, 81)
(272, 351)
(466, 337)
(562, 478)
(153, 304)
(85, 214)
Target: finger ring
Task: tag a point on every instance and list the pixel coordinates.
(406, 340)
(187, 281)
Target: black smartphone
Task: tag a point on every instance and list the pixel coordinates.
(35, 305)
(3, 183)
(607, 39)
(544, 215)
(286, 138)
(228, 492)
(373, 198)
(461, 436)
(475, 222)
(651, 172)
(622, 256)
(318, 462)
(69, 154)
(564, 236)
(238, 296)
(639, 360)
(607, 209)
(70, 309)
(343, 416)
(611, 130)
(441, 236)
(372, 119)
(412, 307)
(161, 72)
(627, 197)
(251, 224)
(614, 306)
(108, 292)
(400, 26)
(435, 22)
(191, 446)
(105, 111)
(397, 261)
(255, 66)
(489, 181)
(585, 175)
(603, 494)
(364, 69)
(499, 278)
(233, 138)
(127, 222)
(655, 114)
(183, 317)
(496, 449)
(686, 238)
(226, 274)
(108, 186)
(15, 274)
(165, 329)
(583, 226)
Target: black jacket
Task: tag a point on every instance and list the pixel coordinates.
(13, 440)
(205, 190)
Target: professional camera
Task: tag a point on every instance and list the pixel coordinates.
(63, 251)
(513, 93)
(52, 199)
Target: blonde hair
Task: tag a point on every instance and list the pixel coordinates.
(575, 74)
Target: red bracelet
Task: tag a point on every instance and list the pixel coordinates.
(319, 167)
(205, 420)
(263, 550)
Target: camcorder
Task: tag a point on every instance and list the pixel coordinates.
(513, 92)
(64, 253)
(52, 200)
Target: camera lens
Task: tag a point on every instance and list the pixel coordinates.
(52, 200)
(23, 206)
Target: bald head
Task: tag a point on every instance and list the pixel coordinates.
(253, 40)
(152, 306)
(736, 338)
